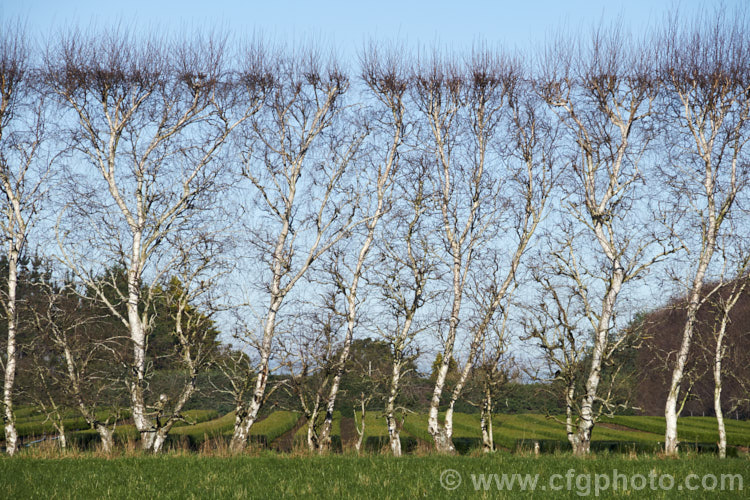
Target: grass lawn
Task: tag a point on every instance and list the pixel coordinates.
(345, 476)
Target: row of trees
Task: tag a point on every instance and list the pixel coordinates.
(443, 201)
(73, 354)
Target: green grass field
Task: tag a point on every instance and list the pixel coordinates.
(345, 476)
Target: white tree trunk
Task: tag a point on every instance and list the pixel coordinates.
(719, 353)
(394, 439)
(246, 417)
(159, 439)
(11, 434)
(570, 428)
(582, 442)
(137, 384)
(360, 430)
(312, 430)
(62, 439)
(138, 338)
(670, 416)
(719, 414)
(390, 408)
(442, 434)
(670, 411)
(242, 426)
(488, 440)
(107, 438)
(579, 437)
(239, 435)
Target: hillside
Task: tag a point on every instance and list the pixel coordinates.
(662, 335)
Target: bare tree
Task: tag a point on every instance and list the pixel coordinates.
(603, 93)
(44, 389)
(716, 311)
(296, 154)
(22, 127)
(364, 400)
(70, 329)
(719, 333)
(309, 352)
(530, 151)
(407, 263)
(320, 360)
(706, 77)
(558, 324)
(493, 370)
(386, 81)
(553, 325)
(148, 119)
(464, 109)
(189, 301)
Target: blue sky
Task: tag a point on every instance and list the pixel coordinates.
(346, 24)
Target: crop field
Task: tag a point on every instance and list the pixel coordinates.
(31, 423)
(619, 434)
(691, 429)
(199, 425)
(510, 432)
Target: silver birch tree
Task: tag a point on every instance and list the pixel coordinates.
(464, 108)
(22, 128)
(297, 154)
(604, 92)
(148, 118)
(407, 265)
(706, 75)
(719, 331)
(386, 82)
(90, 374)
